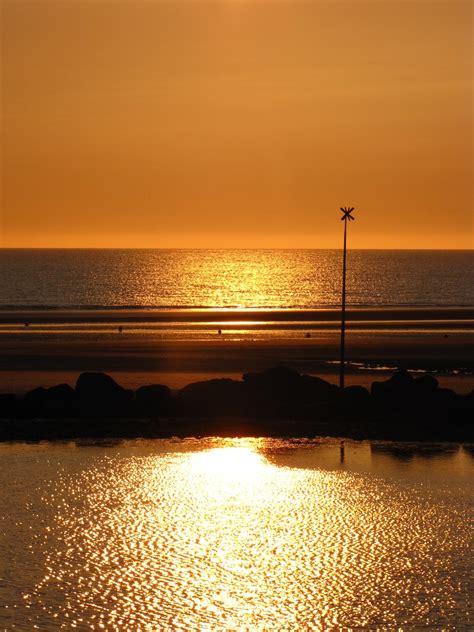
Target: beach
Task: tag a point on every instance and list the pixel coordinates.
(176, 347)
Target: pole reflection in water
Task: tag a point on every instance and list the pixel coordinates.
(232, 534)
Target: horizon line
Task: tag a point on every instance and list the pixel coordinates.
(227, 248)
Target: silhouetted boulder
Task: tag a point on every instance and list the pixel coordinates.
(212, 397)
(394, 393)
(445, 397)
(34, 402)
(100, 394)
(57, 401)
(277, 381)
(8, 406)
(315, 389)
(61, 400)
(355, 399)
(283, 392)
(36, 397)
(425, 392)
(420, 400)
(460, 405)
(468, 400)
(153, 400)
(426, 384)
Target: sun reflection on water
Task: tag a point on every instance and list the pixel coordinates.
(213, 535)
(229, 466)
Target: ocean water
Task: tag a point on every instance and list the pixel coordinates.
(304, 279)
(249, 534)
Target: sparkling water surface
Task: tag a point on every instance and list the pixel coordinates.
(249, 534)
(233, 278)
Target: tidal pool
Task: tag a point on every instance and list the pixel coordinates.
(235, 534)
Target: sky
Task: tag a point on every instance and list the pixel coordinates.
(236, 123)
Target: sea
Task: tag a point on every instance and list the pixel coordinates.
(196, 278)
(236, 534)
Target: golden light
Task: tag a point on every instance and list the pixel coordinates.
(229, 463)
(236, 468)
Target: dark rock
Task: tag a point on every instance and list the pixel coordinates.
(153, 400)
(273, 392)
(283, 392)
(468, 400)
(315, 389)
(61, 392)
(355, 399)
(36, 397)
(8, 406)
(273, 380)
(446, 394)
(100, 394)
(34, 402)
(420, 400)
(394, 393)
(425, 393)
(457, 402)
(61, 401)
(426, 384)
(57, 401)
(212, 397)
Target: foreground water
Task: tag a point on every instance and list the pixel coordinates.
(247, 534)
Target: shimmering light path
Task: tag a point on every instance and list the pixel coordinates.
(282, 279)
(235, 534)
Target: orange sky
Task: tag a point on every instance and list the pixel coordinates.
(236, 123)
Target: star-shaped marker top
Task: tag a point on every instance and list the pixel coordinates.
(347, 213)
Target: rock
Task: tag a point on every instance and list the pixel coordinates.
(56, 401)
(394, 393)
(273, 379)
(8, 406)
(421, 396)
(283, 392)
(153, 400)
(99, 394)
(34, 402)
(426, 394)
(212, 397)
(355, 399)
(316, 390)
(426, 384)
(61, 400)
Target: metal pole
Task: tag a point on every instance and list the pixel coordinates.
(343, 314)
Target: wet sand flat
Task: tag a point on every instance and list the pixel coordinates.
(446, 315)
(178, 346)
(28, 360)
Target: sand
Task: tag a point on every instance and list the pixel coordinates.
(176, 347)
(27, 360)
(432, 315)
